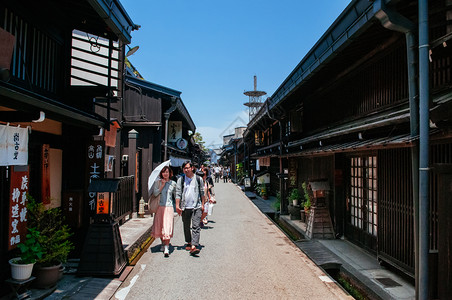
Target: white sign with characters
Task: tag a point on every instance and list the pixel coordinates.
(174, 131)
(13, 146)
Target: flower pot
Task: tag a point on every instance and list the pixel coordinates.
(20, 272)
(295, 202)
(46, 277)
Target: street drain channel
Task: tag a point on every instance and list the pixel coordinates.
(334, 271)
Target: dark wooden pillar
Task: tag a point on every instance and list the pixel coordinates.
(132, 165)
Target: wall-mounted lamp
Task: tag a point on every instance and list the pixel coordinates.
(132, 50)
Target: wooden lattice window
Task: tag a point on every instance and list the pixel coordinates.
(363, 193)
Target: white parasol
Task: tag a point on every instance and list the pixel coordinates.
(155, 173)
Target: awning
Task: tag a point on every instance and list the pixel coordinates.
(383, 142)
(23, 100)
(104, 185)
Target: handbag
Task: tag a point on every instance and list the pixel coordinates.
(210, 208)
(154, 203)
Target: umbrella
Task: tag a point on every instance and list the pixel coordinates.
(156, 172)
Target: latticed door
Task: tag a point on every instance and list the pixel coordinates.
(362, 200)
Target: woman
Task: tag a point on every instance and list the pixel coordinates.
(208, 183)
(164, 218)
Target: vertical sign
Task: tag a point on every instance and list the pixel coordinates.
(95, 169)
(103, 201)
(174, 131)
(292, 172)
(45, 176)
(18, 206)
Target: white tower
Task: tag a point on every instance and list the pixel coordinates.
(255, 100)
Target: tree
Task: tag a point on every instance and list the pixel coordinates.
(198, 140)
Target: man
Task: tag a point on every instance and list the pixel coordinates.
(217, 170)
(190, 199)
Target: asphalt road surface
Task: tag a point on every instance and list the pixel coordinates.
(243, 256)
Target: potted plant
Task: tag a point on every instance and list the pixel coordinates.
(54, 240)
(294, 196)
(264, 191)
(30, 251)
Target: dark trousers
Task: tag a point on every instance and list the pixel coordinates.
(192, 217)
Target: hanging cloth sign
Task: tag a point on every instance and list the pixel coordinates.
(13, 146)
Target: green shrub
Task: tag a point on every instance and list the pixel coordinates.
(30, 249)
(307, 196)
(54, 234)
(294, 194)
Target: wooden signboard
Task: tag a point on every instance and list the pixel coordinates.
(18, 206)
(95, 169)
(292, 172)
(45, 174)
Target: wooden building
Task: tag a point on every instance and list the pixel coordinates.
(348, 114)
(61, 66)
(151, 110)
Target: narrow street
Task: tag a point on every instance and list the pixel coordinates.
(244, 256)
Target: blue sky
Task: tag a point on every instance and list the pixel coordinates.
(210, 50)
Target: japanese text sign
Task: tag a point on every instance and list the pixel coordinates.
(95, 168)
(18, 206)
(103, 201)
(13, 146)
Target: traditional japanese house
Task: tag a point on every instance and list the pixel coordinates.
(61, 66)
(348, 115)
(156, 127)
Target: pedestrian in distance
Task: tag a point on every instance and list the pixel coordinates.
(225, 175)
(217, 170)
(209, 196)
(190, 200)
(164, 217)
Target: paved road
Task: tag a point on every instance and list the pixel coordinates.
(244, 256)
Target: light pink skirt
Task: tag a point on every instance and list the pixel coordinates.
(163, 223)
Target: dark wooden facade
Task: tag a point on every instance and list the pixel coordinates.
(39, 79)
(344, 114)
(144, 107)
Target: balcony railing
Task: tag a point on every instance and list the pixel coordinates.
(122, 205)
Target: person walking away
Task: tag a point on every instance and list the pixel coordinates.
(225, 175)
(217, 170)
(210, 183)
(209, 197)
(164, 217)
(190, 199)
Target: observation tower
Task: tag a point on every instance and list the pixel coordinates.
(255, 100)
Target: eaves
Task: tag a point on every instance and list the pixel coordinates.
(116, 17)
(353, 21)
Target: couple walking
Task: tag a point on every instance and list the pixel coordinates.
(187, 196)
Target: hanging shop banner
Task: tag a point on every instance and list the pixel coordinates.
(45, 174)
(174, 131)
(95, 169)
(13, 146)
(110, 135)
(18, 206)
